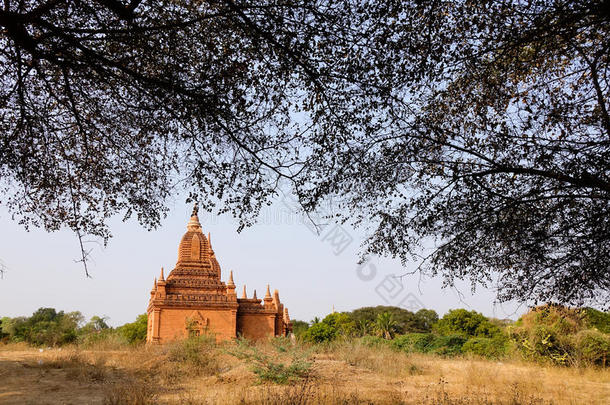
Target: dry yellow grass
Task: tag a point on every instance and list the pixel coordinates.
(344, 374)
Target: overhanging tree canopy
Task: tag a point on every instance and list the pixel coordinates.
(480, 128)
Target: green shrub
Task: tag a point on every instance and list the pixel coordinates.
(467, 324)
(330, 328)
(413, 342)
(285, 364)
(492, 348)
(545, 334)
(542, 343)
(319, 333)
(592, 347)
(135, 332)
(106, 338)
(446, 345)
(425, 319)
(406, 321)
(374, 341)
(429, 343)
(422, 341)
(45, 327)
(4, 335)
(196, 355)
(299, 328)
(597, 319)
(342, 323)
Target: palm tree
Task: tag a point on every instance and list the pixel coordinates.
(364, 327)
(386, 325)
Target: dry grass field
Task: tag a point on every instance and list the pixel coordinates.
(346, 373)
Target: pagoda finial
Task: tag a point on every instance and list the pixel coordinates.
(231, 282)
(193, 224)
(155, 284)
(268, 294)
(161, 278)
(243, 295)
(254, 295)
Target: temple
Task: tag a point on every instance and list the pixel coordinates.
(193, 300)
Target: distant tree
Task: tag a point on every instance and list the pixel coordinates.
(95, 324)
(320, 332)
(135, 332)
(3, 321)
(98, 322)
(405, 320)
(385, 325)
(467, 324)
(333, 326)
(425, 319)
(46, 326)
(341, 322)
(12, 327)
(315, 320)
(299, 327)
(597, 319)
(364, 327)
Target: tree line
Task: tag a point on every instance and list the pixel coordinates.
(550, 334)
(49, 327)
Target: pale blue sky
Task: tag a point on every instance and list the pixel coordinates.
(309, 271)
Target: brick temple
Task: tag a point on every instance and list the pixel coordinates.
(193, 300)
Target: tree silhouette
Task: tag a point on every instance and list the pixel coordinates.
(471, 137)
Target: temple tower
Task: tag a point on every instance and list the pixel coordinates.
(193, 300)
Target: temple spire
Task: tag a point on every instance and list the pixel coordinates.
(231, 282)
(268, 300)
(155, 284)
(243, 295)
(268, 294)
(286, 316)
(161, 278)
(193, 224)
(254, 297)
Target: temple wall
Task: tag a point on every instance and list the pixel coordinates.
(279, 325)
(149, 327)
(256, 326)
(172, 323)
